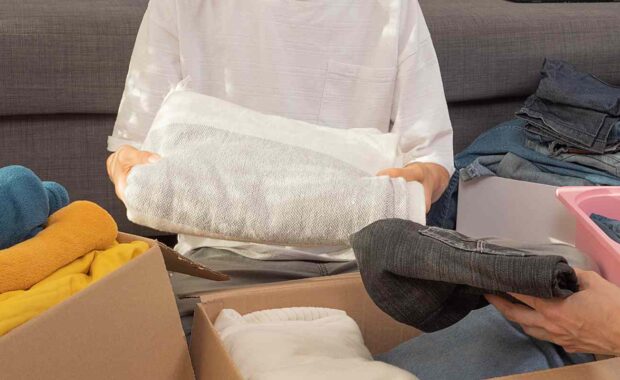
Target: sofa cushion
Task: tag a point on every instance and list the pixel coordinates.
(65, 56)
(495, 48)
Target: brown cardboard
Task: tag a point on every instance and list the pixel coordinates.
(176, 262)
(125, 326)
(346, 292)
(517, 210)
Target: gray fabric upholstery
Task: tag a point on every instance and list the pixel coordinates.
(65, 56)
(470, 119)
(71, 57)
(69, 149)
(495, 48)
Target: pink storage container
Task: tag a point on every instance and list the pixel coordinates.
(582, 201)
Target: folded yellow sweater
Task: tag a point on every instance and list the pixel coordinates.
(71, 232)
(19, 306)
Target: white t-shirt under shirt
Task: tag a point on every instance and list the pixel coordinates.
(339, 63)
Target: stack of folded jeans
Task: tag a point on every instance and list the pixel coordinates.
(573, 112)
(567, 134)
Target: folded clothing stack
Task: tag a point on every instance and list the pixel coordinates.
(231, 173)
(19, 306)
(70, 233)
(431, 278)
(567, 134)
(610, 226)
(300, 343)
(573, 112)
(46, 260)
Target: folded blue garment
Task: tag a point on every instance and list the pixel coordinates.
(25, 204)
(610, 226)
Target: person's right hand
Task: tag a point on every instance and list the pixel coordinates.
(587, 321)
(120, 163)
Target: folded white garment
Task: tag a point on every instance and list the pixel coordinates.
(231, 173)
(300, 343)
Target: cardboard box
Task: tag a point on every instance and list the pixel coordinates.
(125, 326)
(346, 292)
(517, 210)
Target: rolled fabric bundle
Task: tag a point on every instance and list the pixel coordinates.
(70, 233)
(231, 173)
(25, 204)
(431, 278)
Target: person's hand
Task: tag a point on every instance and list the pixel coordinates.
(433, 177)
(587, 321)
(120, 163)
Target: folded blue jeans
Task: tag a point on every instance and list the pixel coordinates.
(573, 108)
(514, 167)
(611, 227)
(608, 162)
(562, 83)
(575, 127)
(508, 137)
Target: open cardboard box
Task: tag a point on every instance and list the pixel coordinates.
(346, 292)
(125, 326)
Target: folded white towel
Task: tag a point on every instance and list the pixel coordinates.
(231, 173)
(300, 343)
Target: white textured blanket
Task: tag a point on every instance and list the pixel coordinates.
(228, 172)
(300, 343)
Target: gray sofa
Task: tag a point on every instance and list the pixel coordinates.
(63, 65)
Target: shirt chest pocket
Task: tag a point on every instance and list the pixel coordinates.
(357, 96)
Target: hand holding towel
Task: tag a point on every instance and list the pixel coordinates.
(71, 232)
(25, 204)
(231, 173)
(301, 343)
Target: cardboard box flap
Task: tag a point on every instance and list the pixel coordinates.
(175, 262)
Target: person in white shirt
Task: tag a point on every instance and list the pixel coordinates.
(338, 63)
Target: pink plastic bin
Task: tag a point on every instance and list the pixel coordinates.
(589, 238)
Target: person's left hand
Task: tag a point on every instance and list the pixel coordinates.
(587, 321)
(433, 177)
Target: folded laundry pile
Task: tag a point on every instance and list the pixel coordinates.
(46, 258)
(300, 343)
(573, 111)
(611, 227)
(231, 173)
(70, 233)
(431, 278)
(567, 134)
(20, 306)
(25, 204)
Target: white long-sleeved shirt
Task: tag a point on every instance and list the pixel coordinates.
(339, 63)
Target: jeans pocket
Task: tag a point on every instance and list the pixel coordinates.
(459, 241)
